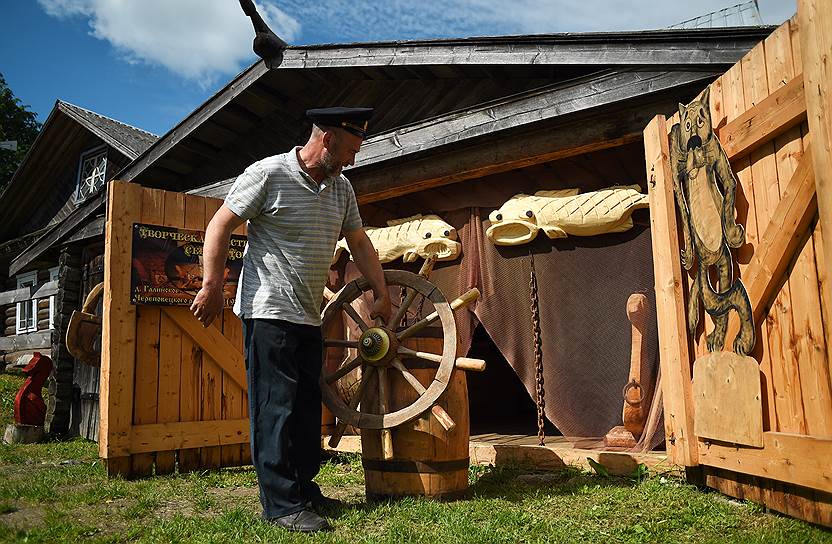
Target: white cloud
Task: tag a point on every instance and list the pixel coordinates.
(197, 39)
(356, 20)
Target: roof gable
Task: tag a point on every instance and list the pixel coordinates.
(53, 158)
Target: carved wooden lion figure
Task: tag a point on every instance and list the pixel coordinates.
(705, 189)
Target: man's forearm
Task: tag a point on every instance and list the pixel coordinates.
(366, 260)
(214, 254)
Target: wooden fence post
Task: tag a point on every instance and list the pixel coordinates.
(118, 341)
(674, 355)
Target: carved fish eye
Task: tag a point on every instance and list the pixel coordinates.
(427, 235)
(447, 233)
(499, 217)
(529, 213)
(687, 125)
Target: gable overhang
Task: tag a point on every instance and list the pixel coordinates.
(260, 112)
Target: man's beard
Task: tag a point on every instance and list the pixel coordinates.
(328, 165)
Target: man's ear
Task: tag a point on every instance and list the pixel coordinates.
(326, 138)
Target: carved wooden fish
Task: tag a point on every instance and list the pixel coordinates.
(563, 213)
(410, 238)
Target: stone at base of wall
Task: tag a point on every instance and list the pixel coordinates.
(23, 434)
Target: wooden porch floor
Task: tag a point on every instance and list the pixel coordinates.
(557, 453)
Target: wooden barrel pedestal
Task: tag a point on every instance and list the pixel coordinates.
(427, 460)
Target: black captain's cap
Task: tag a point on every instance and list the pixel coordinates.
(352, 120)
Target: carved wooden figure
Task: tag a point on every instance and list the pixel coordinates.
(411, 238)
(563, 213)
(705, 189)
(29, 408)
(634, 414)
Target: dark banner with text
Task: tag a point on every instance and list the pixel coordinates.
(167, 265)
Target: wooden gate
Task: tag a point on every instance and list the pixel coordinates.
(173, 394)
(782, 158)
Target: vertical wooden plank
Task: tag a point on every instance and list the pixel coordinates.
(146, 396)
(211, 376)
(192, 356)
(734, 105)
(674, 356)
(118, 341)
(170, 347)
(815, 36)
(809, 345)
(767, 195)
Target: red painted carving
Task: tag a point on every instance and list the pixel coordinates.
(29, 408)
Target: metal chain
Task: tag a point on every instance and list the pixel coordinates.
(538, 354)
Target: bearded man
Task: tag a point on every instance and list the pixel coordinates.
(297, 204)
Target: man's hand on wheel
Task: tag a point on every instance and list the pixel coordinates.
(382, 307)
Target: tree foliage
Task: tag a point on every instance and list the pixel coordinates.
(16, 123)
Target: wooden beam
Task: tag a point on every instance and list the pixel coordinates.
(56, 234)
(779, 112)
(815, 23)
(780, 242)
(793, 500)
(615, 48)
(793, 458)
(602, 129)
(21, 342)
(42, 290)
(559, 100)
(93, 229)
(118, 339)
(674, 355)
(178, 435)
(227, 356)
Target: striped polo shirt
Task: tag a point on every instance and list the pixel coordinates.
(293, 225)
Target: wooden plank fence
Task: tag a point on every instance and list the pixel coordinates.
(772, 112)
(173, 394)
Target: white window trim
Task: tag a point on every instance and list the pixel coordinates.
(53, 276)
(84, 156)
(28, 277)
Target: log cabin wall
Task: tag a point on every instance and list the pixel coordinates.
(759, 112)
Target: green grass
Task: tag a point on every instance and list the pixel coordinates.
(58, 492)
(8, 389)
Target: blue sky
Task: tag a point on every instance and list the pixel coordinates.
(151, 62)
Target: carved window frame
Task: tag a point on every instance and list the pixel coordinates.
(26, 322)
(93, 162)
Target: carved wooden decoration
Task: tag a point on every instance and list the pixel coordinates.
(29, 407)
(634, 414)
(411, 238)
(705, 188)
(729, 406)
(564, 213)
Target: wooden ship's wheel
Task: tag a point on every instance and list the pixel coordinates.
(380, 351)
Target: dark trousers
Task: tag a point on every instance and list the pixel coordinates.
(283, 364)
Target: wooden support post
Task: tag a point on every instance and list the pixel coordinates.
(815, 23)
(674, 356)
(118, 342)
